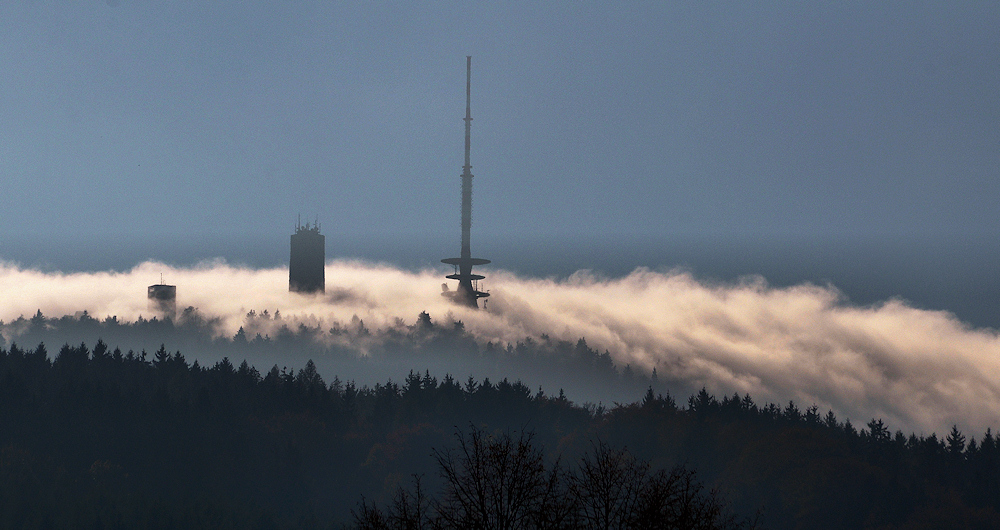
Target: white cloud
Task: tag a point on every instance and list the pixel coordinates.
(920, 370)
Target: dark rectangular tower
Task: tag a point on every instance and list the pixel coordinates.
(162, 299)
(306, 266)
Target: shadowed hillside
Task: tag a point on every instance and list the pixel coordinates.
(95, 437)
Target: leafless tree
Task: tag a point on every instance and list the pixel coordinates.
(608, 487)
(409, 511)
(675, 500)
(499, 481)
(614, 490)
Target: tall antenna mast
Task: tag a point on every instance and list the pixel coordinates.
(467, 168)
(467, 293)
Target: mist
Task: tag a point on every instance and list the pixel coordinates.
(919, 370)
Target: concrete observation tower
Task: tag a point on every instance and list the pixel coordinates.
(468, 292)
(306, 263)
(162, 299)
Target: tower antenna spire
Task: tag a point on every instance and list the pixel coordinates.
(468, 113)
(468, 293)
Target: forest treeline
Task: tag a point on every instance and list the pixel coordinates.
(94, 437)
(353, 349)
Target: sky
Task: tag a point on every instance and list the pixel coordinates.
(650, 120)
(844, 150)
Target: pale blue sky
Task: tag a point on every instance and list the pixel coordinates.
(646, 119)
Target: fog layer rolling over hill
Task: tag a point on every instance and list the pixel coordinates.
(920, 370)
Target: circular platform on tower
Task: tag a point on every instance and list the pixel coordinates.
(464, 261)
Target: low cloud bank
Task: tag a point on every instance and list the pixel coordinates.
(919, 370)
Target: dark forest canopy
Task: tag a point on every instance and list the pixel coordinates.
(352, 350)
(97, 437)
